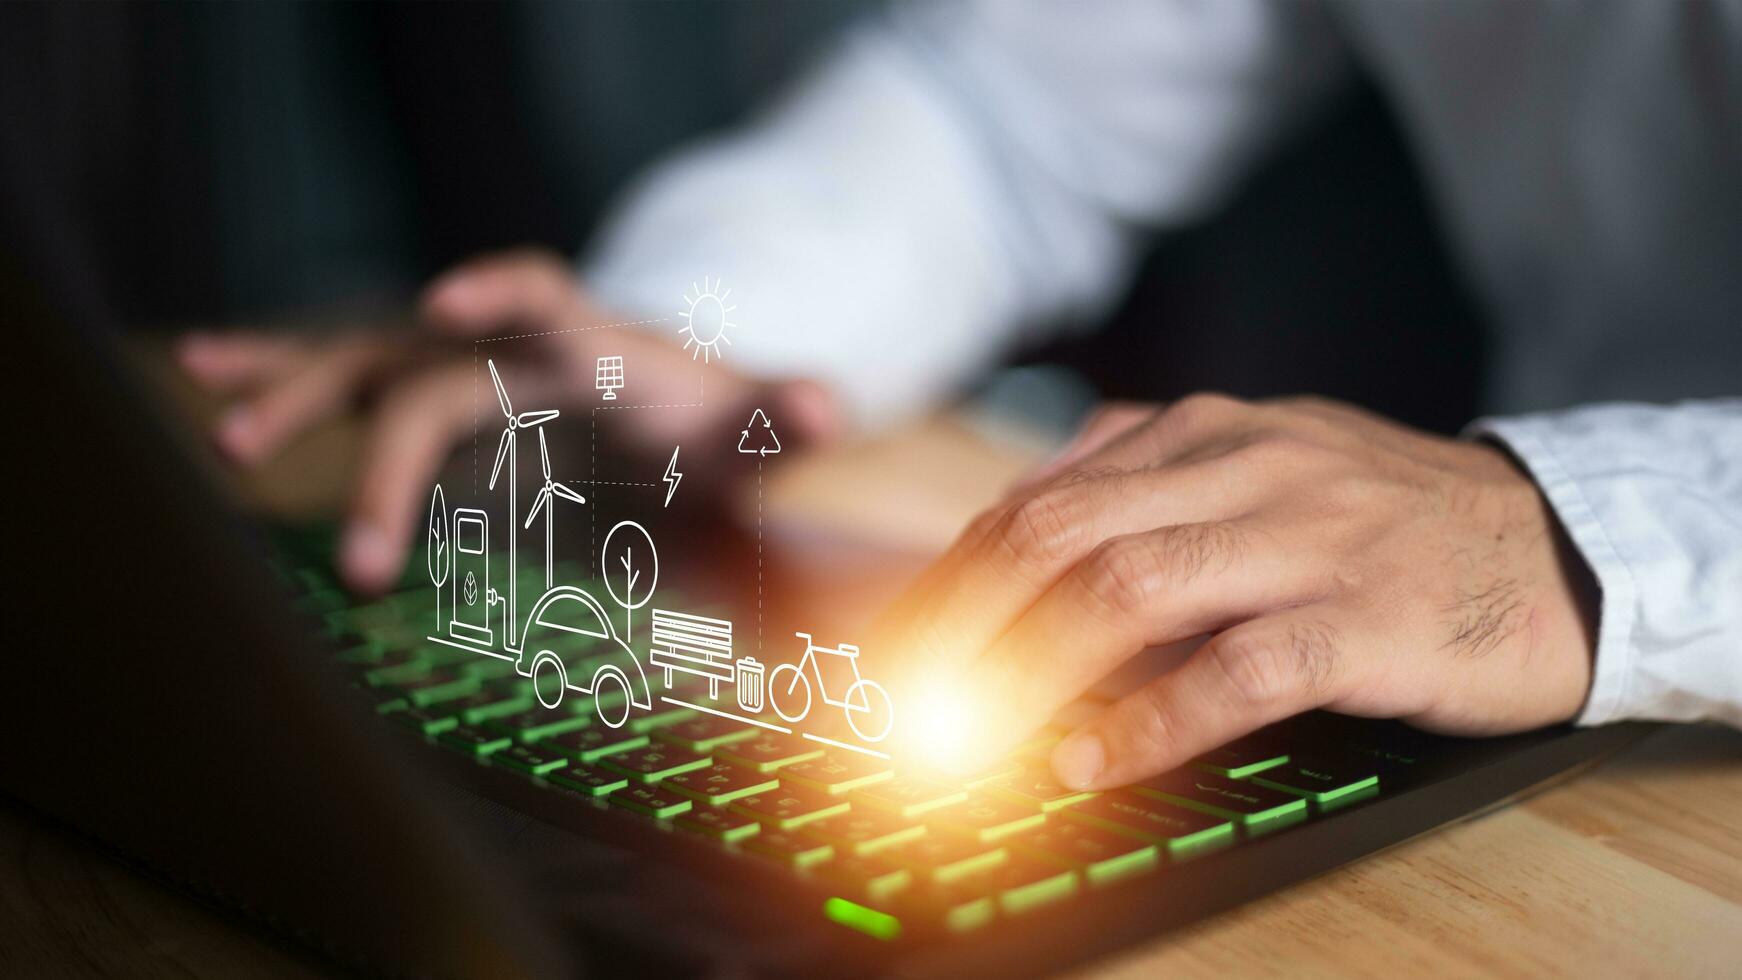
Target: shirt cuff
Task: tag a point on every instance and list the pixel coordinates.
(1618, 603)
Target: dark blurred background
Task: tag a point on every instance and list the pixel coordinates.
(225, 163)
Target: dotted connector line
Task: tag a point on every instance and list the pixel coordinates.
(759, 554)
(550, 333)
(613, 483)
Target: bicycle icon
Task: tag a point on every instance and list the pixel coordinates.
(863, 702)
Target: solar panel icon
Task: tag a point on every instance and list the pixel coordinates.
(610, 376)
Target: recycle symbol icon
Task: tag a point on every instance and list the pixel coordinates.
(757, 440)
(471, 588)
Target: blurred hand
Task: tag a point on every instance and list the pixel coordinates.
(1332, 558)
(420, 389)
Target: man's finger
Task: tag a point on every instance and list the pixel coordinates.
(1003, 571)
(1137, 591)
(482, 297)
(231, 362)
(1108, 423)
(324, 384)
(1242, 679)
(412, 432)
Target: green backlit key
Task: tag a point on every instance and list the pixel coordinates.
(837, 774)
(770, 751)
(1034, 787)
(530, 759)
(864, 832)
(789, 848)
(593, 744)
(483, 706)
(473, 740)
(659, 716)
(653, 801)
(705, 733)
(1101, 855)
(719, 823)
(587, 780)
(945, 859)
(1325, 781)
(427, 721)
(538, 723)
(1182, 833)
(652, 763)
(1238, 760)
(1023, 884)
(435, 687)
(790, 807)
(872, 879)
(1254, 808)
(721, 783)
(985, 818)
(909, 796)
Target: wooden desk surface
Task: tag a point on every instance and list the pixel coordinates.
(1634, 868)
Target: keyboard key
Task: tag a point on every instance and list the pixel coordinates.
(986, 818)
(484, 668)
(588, 780)
(1182, 833)
(660, 715)
(1000, 770)
(427, 721)
(705, 733)
(652, 763)
(653, 801)
(476, 709)
(863, 832)
(721, 783)
(1240, 759)
(1254, 808)
(769, 751)
(367, 653)
(909, 796)
(435, 687)
(530, 759)
(593, 744)
(473, 740)
(1100, 855)
(719, 823)
(395, 667)
(1023, 884)
(1324, 781)
(538, 723)
(790, 807)
(873, 879)
(943, 859)
(789, 848)
(837, 774)
(1035, 787)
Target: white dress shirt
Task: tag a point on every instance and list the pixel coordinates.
(961, 176)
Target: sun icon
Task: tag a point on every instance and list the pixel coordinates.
(707, 317)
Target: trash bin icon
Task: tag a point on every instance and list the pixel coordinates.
(749, 684)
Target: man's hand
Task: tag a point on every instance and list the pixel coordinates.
(1333, 559)
(422, 389)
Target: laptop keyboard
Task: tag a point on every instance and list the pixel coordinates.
(898, 850)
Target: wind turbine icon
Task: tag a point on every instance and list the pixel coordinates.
(506, 450)
(546, 496)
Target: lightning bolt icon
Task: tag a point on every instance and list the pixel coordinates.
(672, 476)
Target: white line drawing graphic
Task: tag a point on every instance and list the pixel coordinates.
(749, 684)
(672, 476)
(564, 618)
(546, 501)
(610, 376)
(850, 747)
(706, 320)
(699, 645)
(766, 444)
(638, 573)
(865, 702)
(436, 547)
(506, 451)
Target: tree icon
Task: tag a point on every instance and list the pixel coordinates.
(630, 564)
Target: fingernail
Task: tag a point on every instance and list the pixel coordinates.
(365, 555)
(1078, 760)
